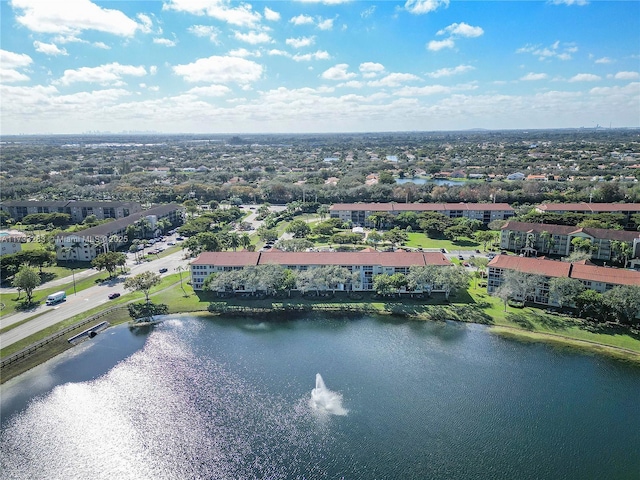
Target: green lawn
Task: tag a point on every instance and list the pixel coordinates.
(421, 240)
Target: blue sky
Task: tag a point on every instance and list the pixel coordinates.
(214, 66)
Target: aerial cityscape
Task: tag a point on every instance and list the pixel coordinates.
(319, 239)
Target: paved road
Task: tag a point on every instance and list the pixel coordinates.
(80, 302)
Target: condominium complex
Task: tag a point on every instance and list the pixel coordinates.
(359, 213)
(367, 264)
(593, 277)
(78, 210)
(548, 239)
(626, 209)
(85, 245)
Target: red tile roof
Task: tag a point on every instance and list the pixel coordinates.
(420, 207)
(385, 259)
(227, 259)
(589, 207)
(602, 233)
(614, 276)
(536, 266)
(554, 268)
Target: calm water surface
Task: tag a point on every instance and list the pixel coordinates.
(230, 399)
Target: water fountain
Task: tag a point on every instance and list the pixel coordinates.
(324, 400)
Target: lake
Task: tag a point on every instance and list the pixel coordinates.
(217, 398)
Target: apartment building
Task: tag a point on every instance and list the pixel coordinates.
(86, 244)
(367, 264)
(358, 213)
(548, 239)
(626, 209)
(78, 210)
(592, 276)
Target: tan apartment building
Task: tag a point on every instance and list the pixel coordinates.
(358, 213)
(367, 264)
(549, 239)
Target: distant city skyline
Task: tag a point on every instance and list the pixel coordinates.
(307, 66)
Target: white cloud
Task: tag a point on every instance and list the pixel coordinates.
(10, 62)
(278, 53)
(271, 15)
(146, 24)
(72, 17)
(556, 50)
(153, 70)
(109, 74)
(326, 2)
(534, 76)
(351, 84)
(393, 80)
(585, 77)
(419, 7)
(570, 2)
(300, 42)
(205, 31)
(253, 38)
(101, 45)
(14, 60)
(240, 16)
(461, 30)
(436, 45)
(447, 72)
(604, 60)
(210, 91)
(216, 69)
(626, 76)
(422, 91)
(318, 55)
(338, 72)
(49, 48)
(326, 24)
(301, 19)
(368, 12)
(371, 69)
(243, 52)
(9, 75)
(164, 41)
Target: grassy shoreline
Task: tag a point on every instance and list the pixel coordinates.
(472, 306)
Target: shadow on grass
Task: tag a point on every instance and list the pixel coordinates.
(25, 306)
(465, 243)
(46, 277)
(521, 320)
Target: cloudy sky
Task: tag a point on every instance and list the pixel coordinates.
(217, 66)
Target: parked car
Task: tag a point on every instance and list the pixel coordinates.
(460, 257)
(171, 244)
(164, 270)
(113, 295)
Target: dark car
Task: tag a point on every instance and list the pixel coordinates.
(164, 270)
(113, 295)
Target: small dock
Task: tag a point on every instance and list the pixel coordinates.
(88, 333)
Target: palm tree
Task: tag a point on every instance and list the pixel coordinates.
(181, 269)
(245, 240)
(233, 240)
(545, 236)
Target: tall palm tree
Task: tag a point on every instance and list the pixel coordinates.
(545, 236)
(233, 240)
(245, 240)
